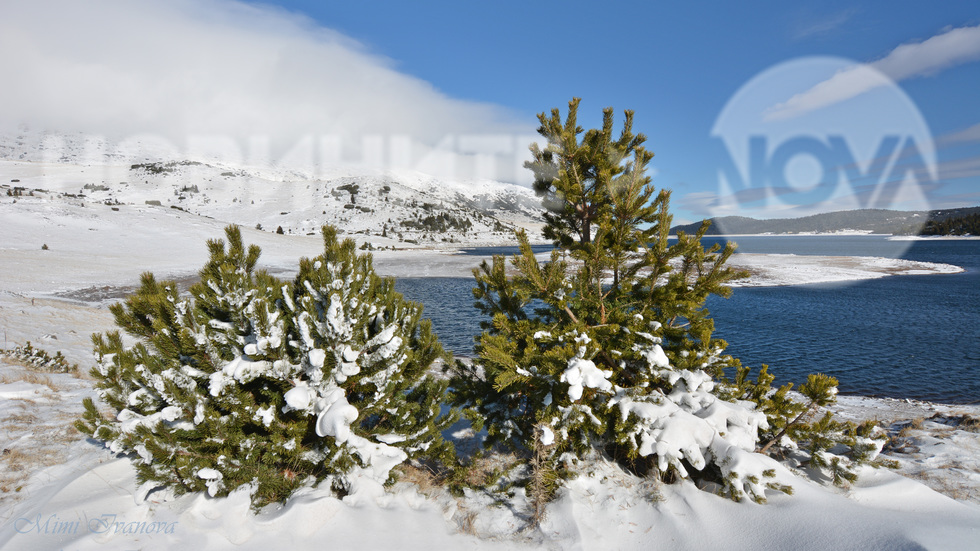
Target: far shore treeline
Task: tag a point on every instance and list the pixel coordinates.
(961, 221)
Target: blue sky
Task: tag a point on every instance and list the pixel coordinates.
(675, 65)
(435, 69)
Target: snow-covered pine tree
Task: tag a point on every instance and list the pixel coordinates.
(251, 380)
(608, 347)
(365, 354)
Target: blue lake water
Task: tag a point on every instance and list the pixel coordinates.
(901, 336)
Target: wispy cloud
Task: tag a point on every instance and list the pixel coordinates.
(940, 52)
(823, 25)
(181, 68)
(967, 135)
(968, 167)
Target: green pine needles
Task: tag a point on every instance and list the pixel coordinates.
(251, 380)
(607, 347)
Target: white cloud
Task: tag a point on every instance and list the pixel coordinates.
(184, 68)
(954, 47)
(951, 48)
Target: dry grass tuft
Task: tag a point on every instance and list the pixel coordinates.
(909, 426)
(949, 488)
(971, 424)
(427, 479)
(484, 470)
(20, 420)
(18, 462)
(31, 442)
(650, 490)
(28, 376)
(466, 521)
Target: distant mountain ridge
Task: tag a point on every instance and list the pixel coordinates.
(380, 207)
(877, 221)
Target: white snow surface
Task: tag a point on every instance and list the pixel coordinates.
(60, 491)
(581, 374)
(790, 269)
(90, 500)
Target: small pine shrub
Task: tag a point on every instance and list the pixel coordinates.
(251, 380)
(39, 359)
(794, 428)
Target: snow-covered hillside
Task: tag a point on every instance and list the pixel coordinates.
(383, 209)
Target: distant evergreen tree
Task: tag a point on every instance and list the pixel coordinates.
(608, 347)
(254, 380)
(959, 225)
